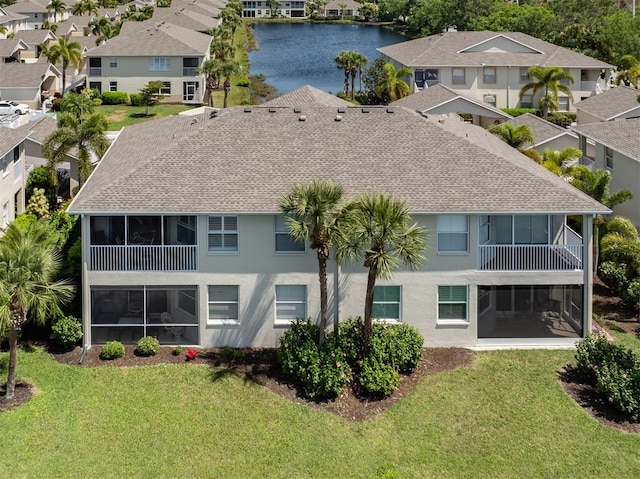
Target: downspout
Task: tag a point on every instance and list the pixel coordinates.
(84, 353)
(508, 83)
(336, 296)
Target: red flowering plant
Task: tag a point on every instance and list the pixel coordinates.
(191, 354)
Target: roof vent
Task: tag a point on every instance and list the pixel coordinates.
(272, 109)
(213, 114)
(342, 110)
(338, 117)
(441, 120)
(390, 110)
(365, 110)
(247, 109)
(297, 110)
(302, 117)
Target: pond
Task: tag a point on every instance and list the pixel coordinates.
(292, 55)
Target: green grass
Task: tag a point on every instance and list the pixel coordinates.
(507, 416)
(125, 115)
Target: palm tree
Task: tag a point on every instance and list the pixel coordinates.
(557, 162)
(211, 68)
(311, 211)
(68, 52)
(58, 6)
(344, 62)
(378, 231)
(85, 6)
(222, 49)
(29, 263)
(101, 27)
(86, 134)
(80, 106)
(392, 87)
(548, 79)
(515, 136)
(628, 71)
(360, 61)
(232, 19)
(3, 30)
(227, 69)
(596, 184)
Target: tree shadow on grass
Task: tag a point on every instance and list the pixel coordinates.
(141, 115)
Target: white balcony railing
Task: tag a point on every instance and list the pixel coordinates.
(144, 258)
(559, 257)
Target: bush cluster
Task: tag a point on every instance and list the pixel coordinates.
(147, 346)
(614, 369)
(325, 369)
(112, 350)
(617, 277)
(67, 331)
(136, 99)
(520, 111)
(115, 98)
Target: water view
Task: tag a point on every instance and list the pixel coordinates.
(292, 55)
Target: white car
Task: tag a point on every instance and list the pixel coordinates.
(8, 107)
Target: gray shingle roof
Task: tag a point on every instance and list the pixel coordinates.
(28, 6)
(620, 135)
(243, 161)
(11, 45)
(185, 18)
(28, 75)
(153, 38)
(41, 128)
(34, 37)
(10, 138)
(443, 50)
(308, 96)
(611, 103)
(440, 94)
(541, 129)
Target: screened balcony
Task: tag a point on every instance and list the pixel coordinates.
(143, 243)
(528, 243)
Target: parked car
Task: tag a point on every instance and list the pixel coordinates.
(8, 107)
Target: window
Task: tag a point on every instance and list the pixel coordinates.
(526, 101)
(113, 63)
(166, 88)
(489, 74)
(524, 72)
(189, 90)
(608, 158)
(485, 229)
(291, 302)
(223, 233)
(386, 302)
(563, 103)
(458, 76)
(4, 165)
(223, 304)
(489, 99)
(95, 85)
(113, 86)
(452, 303)
(453, 233)
(5, 215)
(187, 301)
(95, 67)
(189, 66)
(159, 64)
(284, 241)
(186, 229)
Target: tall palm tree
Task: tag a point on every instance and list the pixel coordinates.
(80, 106)
(392, 87)
(101, 27)
(360, 61)
(222, 49)
(58, 6)
(345, 61)
(86, 134)
(515, 136)
(548, 79)
(227, 69)
(311, 211)
(85, 6)
(232, 19)
(377, 230)
(211, 68)
(29, 262)
(68, 52)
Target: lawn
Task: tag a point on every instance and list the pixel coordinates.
(125, 115)
(507, 416)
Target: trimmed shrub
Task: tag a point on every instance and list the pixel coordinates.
(67, 331)
(136, 99)
(377, 377)
(617, 277)
(96, 101)
(563, 119)
(112, 350)
(147, 346)
(520, 111)
(177, 351)
(404, 347)
(244, 82)
(622, 386)
(115, 98)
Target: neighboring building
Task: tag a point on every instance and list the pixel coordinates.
(615, 104)
(617, 149)
(33, 39)
(441, 100)
(12, 175)
(341, 8)
(37, 14)
(145, 52)
(492, 67)
(28, 82)
(262, 9)
(13, 22)
(183, 237)
(185, 18)
(11, 50)
(307, 96)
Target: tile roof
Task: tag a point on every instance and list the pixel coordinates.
(541, 129)
(10, 138)
(307, 96)
(611, 103)
(153, 38)
(619, 135)
(244, 158)
(28, 75)
(439, 94)
(444, 50)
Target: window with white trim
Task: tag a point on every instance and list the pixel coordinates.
(524, 74)
(453, 234)
(387, 302)
(489, 74)
(159, 64)
(452, 303)
(113, 86)
(224, 304)
(113, 63)
(563, 103)
(608, 157)
(457, 75)
(526, 101)
(284, 241)
(165, 89)
(291, 302)
(223, 234)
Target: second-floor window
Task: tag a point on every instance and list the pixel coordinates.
(159, 64)
(223, 234)
(524, 72)
(113, 63)
(489, 74)
(95, 67)
(458, 76)
(189, 66)
(608, 158)
(453, 233)
(284, 242)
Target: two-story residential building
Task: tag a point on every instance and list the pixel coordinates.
(492, 66)
(12, 22)
(12, 178)
(263, 9)
(617, 149)
(37, 14)
(615, 104)
(145, 52)
(27, 82)
(183, 237)
(33, 39)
